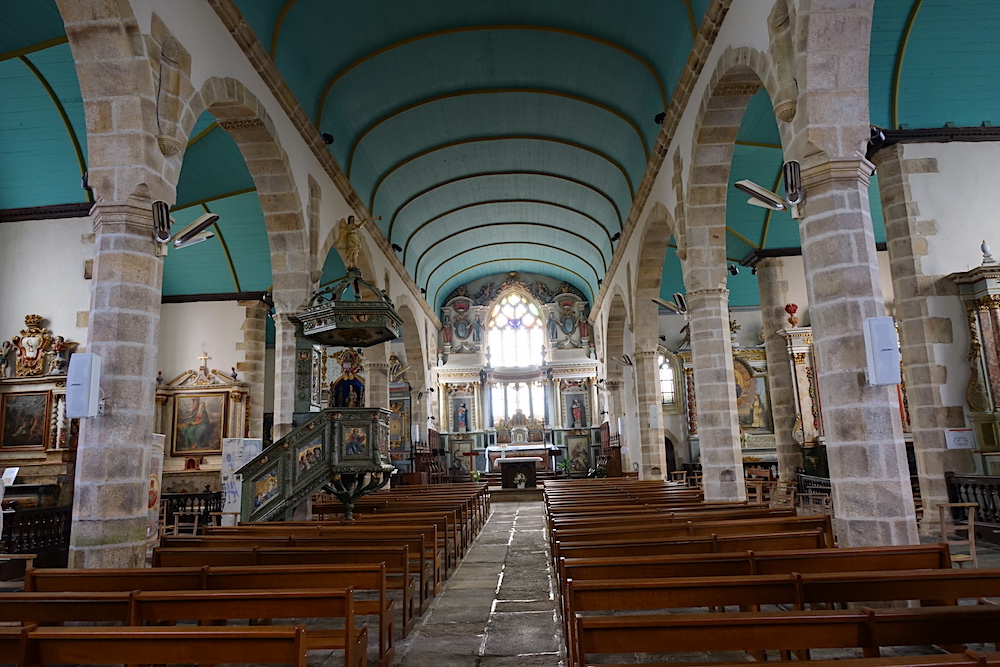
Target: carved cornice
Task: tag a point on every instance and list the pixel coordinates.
(740, 89)
(241, 124)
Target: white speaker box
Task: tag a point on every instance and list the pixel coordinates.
(83, 385)
(882, 351)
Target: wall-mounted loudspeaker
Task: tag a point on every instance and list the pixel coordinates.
(83, 385)
(882, 350)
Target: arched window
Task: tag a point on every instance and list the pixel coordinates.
(514, 332)
(668, 378)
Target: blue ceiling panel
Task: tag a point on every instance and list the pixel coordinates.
(213, 167)
(743, 290)
(470, 273)
(333, 268)
(672, 279)
(28, 24)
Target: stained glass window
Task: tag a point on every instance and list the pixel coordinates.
(668, 394)
(514, 332)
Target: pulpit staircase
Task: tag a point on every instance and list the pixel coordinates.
(343, 451)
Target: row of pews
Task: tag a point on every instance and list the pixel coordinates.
(645, 568)
(226, 596)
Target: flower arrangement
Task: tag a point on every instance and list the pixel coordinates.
(519, 478)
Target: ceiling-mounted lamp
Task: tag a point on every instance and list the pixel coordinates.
(759, 196)
(616, 237)
(327, 138)
(396, 247)
(195, 232)
(423, 290)
(733, 269)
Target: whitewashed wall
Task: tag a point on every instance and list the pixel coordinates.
(188, 329)
(42, 272)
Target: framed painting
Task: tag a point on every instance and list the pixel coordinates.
(356, 442)
(199, 423)
(309, 454)
(25, 420)
(265, 488)
(578, 451)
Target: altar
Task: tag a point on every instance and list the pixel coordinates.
(512, 465)
(496, 453)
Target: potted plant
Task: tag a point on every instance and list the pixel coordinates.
(564, 466)
(520, 480)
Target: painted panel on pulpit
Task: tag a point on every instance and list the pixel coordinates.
(752, 404)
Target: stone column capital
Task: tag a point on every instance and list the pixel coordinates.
(819, 171)
(647, 354)
(707, 296)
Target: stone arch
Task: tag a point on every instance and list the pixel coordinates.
(739, 74)
(656, 235)
(243, 116)
(614, 334)
(415, 357)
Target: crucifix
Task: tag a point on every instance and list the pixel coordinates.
(204, 361)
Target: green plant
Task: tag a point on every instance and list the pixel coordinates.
(599, 471)
(564, 465)
(519, 478)
(475, 475)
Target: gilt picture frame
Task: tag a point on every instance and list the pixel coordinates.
(25, 420)
(199, 423)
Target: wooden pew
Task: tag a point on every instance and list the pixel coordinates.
(155, 607)
(159, 645)
(421, 544)
(396, 559)
(62, 607)
(967, 659)
(864, 628)
(367, 577)
(857, 559)
(944, 586)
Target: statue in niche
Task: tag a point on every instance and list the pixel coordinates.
(553, 327)
(5, 349)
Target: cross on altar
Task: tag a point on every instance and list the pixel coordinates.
(204, 361)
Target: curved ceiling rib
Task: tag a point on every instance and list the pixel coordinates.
(223, 195)
(62, 114)
(518, 243)
(324, 94)
(278, 22)
(432, 149)
(604, 259)
(524, 261)
(458, 179)
(491, 91)
(28, 50)
(897, 70)
(498, 201)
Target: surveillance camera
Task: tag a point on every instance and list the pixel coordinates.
(186, 235)
(672, 307)
(760, 196)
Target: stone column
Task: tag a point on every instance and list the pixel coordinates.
(614, 402)
(718, 425)
(872, 500)
(652, 455)
(923, 338)
(779, 377)
(252, 368)
(292, 373)
(377, 376)
(112, 470)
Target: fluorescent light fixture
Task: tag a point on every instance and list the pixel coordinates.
(184, 237)
(669, 305)
(759, 196)
(194, 240)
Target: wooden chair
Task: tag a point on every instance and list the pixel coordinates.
(679, 476)
(944, 520)
(783, 495)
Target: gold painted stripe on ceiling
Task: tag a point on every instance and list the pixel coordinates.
(897, 68)
(40, 46)
(199, 202)
(416, 267)
(757, 144)
(484, 202)
(392, 220)
(491, 91)
(77, 148)
(277, 26)
(742, 238)
(201, 135)
(583, 281)
(451, 31)
(225, 250)
(691, 21)
(507, 137)
(508, 243)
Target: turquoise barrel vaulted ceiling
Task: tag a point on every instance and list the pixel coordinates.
(484, 136)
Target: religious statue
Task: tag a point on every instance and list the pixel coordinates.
(462, 417)
(582, 326)
(446, 330)
(349, 240)
(477, 330)
(60, 356)
(577, 413)
(553, 327)
(31, 347)
(5, 349)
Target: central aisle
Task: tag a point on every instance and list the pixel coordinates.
(499, 607)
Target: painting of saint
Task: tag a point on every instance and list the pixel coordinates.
(265, 487)
(462, 417)
(199, 423)
(356, 442)
(25, 419)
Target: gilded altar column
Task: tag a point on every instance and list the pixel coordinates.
(652, 455)
(779, 378)
(110, 503)
(251, 369)
(807, 428)
(718, 423)
(872, 499)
